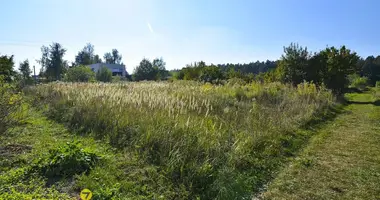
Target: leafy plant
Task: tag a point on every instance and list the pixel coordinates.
(79, 74)
(10, 101)
(104, 74)
(357, 81)
(66, 161)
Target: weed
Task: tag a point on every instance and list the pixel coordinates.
(65, 161)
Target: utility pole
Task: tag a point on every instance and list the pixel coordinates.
(34, 71)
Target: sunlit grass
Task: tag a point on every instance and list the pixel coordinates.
(207, 141)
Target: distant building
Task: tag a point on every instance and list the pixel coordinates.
(116, 69)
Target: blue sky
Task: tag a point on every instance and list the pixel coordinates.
(183, 31)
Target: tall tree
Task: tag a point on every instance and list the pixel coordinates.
(159, 66)
(108, 58)
(97, 59)
(116, 56)
(339, 64)
(87, 56)
(371, 68)
(294, 62)
(113, 58)
(6, 67)
(25, 69)
(144, 71)
(52, 61)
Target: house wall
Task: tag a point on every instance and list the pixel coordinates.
(114, 68)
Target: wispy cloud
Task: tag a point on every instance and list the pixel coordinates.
(150, 27)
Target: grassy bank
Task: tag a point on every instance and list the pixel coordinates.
(186, 140)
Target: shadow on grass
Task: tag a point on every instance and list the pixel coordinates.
(352, 90)
(321, 118)
(375, 103)
(355, 90)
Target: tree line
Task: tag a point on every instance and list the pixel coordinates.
(329, 67)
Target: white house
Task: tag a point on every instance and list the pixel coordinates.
(116, 69)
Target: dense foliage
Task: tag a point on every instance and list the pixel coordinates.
(79, 74)
(10, 100)
(65, 161)
(104, 74)
(87, 56)
(330, 66)
(6, 68)
(147, 70)
(52, 63)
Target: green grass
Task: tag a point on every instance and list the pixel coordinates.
(118, 175)
(185, 140)
(341, 162)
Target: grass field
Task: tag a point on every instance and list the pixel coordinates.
(187, 140)
(342, 161)
(146, 140)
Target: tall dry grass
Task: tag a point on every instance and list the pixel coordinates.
(208, 141)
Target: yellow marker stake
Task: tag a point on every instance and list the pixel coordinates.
(85, 194)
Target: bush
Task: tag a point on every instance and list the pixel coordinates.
(10, 101)
(79, 74)
(104, 74)
(358, 82)
(66, 161)
(116, 79)
(377, 84)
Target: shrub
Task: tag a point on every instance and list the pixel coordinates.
(79, 74)
(377, 84)
(10, 101)
(358, 82)
(66, 161)
(104, 74)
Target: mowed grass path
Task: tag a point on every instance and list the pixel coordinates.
(341, 162)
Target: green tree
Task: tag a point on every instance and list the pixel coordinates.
(371, 68)
(97, 59)
(145, 71)
(6, 68)
(87, 56)
(159, 66)
(25, 69)
(113, 58)
(52, 62)
(339, 64)
(210, 73)
(104, 74)
(80, 74)
(294, 63)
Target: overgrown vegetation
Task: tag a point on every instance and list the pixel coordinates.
(65, 161)
(104, 75)
(80, 74)
(211, 132)
(207, 141)
(10, 101)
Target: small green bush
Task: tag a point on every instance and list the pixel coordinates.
(79, 74)
(357, 81)
(10, 101)
(377, 84)
(104, 75)
(66, 161)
